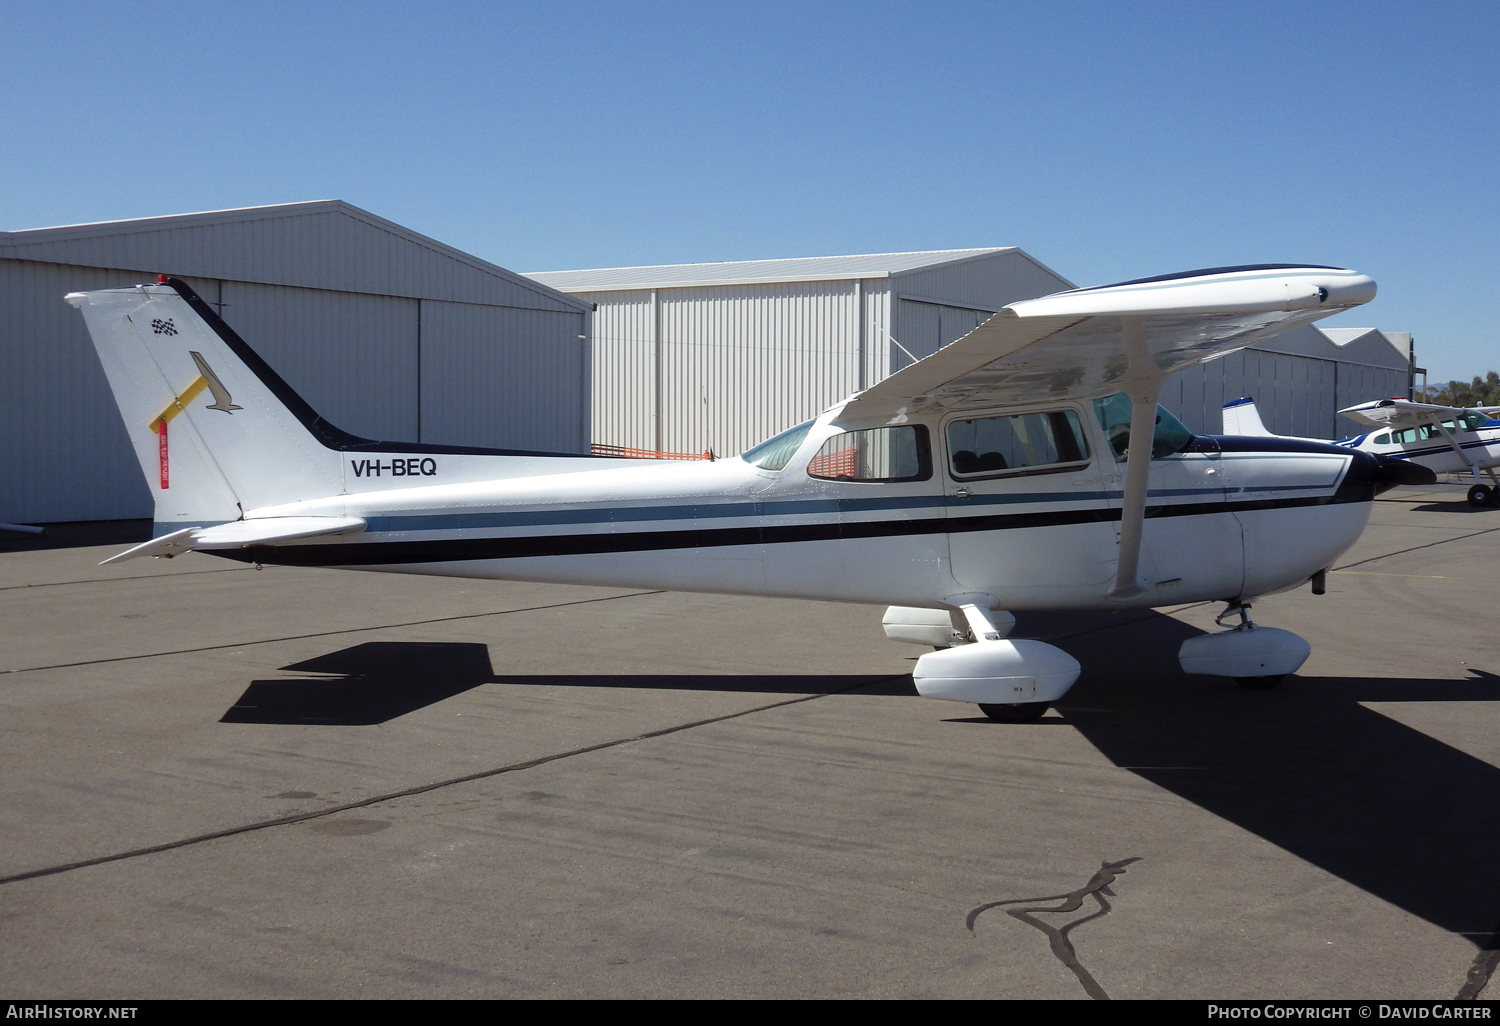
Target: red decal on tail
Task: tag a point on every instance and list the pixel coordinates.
(161, 448)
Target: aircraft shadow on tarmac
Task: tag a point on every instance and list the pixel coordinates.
(367, 684)
(1460, 506)
(1305, 766)
(1403, 816)
(380, 681)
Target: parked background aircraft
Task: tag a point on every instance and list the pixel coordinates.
(1442, 438)
(997, 474)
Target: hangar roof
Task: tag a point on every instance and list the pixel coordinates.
(745, 272)
(324, 244)
(1367, 346)
(1399, 340)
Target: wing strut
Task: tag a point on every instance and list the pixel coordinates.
(1144, 389)
(1471, 462)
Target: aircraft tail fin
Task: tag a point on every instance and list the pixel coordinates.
(1242, 418)
(216, 431)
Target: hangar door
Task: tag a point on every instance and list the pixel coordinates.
(924, 327)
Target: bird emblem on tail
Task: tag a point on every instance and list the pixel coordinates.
(222, 399)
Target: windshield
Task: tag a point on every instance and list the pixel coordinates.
(773, 453)
(1114, 417)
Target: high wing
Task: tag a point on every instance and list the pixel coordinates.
(1091, 342)
(1127, 338)
(1403, 413)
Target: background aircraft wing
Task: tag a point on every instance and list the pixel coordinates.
(1402, 413)
(1079, 344)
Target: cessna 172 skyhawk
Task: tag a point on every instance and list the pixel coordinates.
(997, 474)
(1441, 438)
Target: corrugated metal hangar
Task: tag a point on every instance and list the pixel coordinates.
(720, 356)
(387, 333)
(1299, 380)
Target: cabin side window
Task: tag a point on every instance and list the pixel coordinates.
(1027, 441)
(1420, 433)
(1171, 434)
(877, 454)
(1466, 421)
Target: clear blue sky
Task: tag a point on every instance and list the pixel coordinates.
(1110, 140)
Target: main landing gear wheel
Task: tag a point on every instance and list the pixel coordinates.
(1260, 683)
(1018, 712)
(1480, 495)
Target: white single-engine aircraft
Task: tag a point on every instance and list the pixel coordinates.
(1443, 439)
(997, 474)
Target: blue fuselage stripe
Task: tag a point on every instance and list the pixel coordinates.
(791, 507)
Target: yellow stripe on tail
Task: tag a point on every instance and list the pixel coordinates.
(188, 395)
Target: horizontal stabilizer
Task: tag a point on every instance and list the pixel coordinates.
(239, 533)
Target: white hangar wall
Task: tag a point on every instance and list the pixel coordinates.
(386, 333)
(721, 356)
(689, 369)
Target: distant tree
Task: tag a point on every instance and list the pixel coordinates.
(1483, 391)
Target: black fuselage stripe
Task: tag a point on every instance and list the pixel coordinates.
(448, 550)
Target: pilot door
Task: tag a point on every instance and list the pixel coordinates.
(1192, 545)
(1029, 520)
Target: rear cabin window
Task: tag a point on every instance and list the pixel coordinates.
(877, 454)
(1027, 441)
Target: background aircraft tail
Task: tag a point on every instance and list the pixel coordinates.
(1242, 418)
(216, 431)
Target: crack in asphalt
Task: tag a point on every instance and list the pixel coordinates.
(1414, 548)
(514, 767)
(137, 577)
(1072, 901)
(327, 634)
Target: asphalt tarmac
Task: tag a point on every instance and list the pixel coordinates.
(322, 784)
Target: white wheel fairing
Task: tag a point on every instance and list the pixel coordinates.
(997, 673)
(1249, 652)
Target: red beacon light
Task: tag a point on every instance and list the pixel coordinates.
(161, 279)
